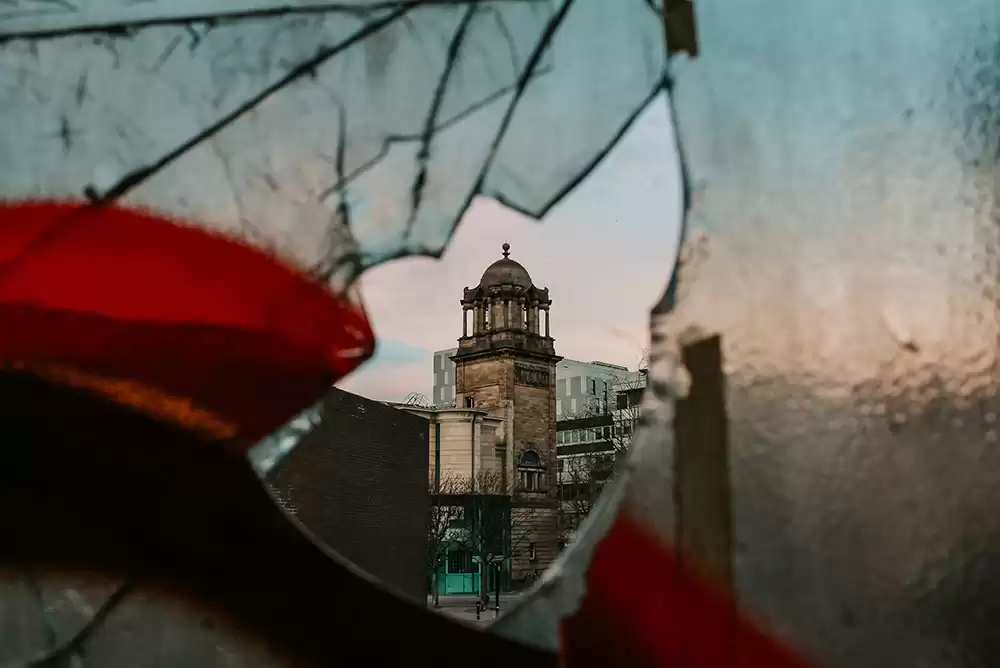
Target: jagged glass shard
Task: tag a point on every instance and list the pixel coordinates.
(842, 165)
(843, 161)
(333, 133)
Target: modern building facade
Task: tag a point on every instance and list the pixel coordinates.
(444, 378)
(590, 444)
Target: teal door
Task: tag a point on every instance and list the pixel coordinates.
(461, 583)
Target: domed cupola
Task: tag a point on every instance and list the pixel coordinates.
(506, 310)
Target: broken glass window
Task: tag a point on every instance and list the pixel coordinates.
(330, 136)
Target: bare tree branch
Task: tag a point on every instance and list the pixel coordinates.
(582, 477)
(490, 524)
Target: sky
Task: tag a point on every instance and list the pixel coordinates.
(604, 252)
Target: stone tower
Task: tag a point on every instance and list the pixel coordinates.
(506, 364)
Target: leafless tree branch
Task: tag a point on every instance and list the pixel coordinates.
(583, 477)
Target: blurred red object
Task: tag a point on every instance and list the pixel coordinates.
(185, 324)
(663, 615)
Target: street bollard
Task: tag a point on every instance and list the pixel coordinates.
(478, 607)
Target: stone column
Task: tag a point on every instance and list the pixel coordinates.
(521, 317)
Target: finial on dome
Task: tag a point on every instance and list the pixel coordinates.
(506, 249)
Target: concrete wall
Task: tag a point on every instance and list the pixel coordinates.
(359, 482)
(462, 444)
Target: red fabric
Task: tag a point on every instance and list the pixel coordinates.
(644, 609)
(126, 294)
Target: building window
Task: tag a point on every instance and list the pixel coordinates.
(593, 386)
(621, 401)
(530, 472)
(459, 562)
(558, 406)
(573, 405)
(470, 402)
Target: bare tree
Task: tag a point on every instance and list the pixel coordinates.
(582, 477)
(581, 480)
(479, 515)
(499, 527)
(441, 525)
(628, 389)
(622, 401)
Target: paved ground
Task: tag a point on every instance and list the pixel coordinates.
(463, 608)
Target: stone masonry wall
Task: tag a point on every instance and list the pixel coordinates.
(490, 381)
(486, 381)
(535, 427)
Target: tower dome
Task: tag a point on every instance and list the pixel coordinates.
(508, 311)
(505, 272)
